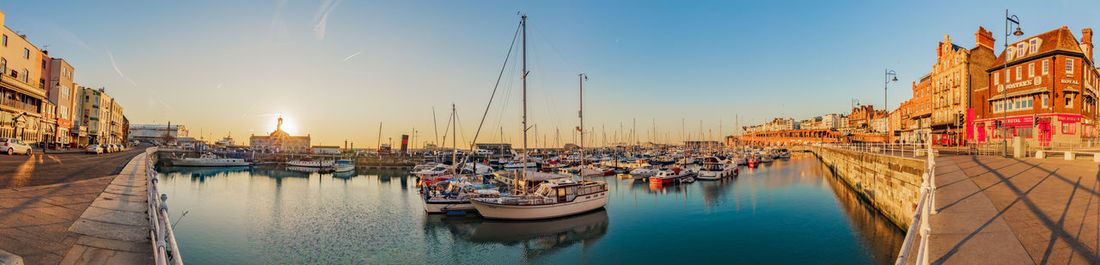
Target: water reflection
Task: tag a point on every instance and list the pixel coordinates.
(268, 215)
(879, 235)
(534, 238)
(201, 173)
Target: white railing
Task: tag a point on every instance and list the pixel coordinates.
(921, 219)
(164, 240)
(903, 150)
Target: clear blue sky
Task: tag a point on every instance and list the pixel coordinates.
(335, 69)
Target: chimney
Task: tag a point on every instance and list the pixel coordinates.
(1086, 42)
(984, 38)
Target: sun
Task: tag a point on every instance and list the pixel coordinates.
(290, 125)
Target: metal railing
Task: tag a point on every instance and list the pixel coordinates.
(165, 249)
(903, 150)
(921, 222)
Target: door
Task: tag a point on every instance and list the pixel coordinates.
(1045, 132)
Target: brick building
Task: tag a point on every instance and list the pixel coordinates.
(957, 72)
(1051, 92)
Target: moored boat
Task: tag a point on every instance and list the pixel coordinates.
(552, 199)
(209, 160)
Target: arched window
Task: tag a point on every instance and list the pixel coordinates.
(3, 66)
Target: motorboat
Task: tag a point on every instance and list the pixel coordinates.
(668, 176)
(454, 195)
(343, 165)
(209, 160)
(432, 170)
(555, 198)
(715, 169)
(643, 172)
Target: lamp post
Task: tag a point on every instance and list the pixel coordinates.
(886, 82)
(1004, 91)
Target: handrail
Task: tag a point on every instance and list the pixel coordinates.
(921, 219)
(160, 225)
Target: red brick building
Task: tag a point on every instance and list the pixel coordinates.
(1048, 92)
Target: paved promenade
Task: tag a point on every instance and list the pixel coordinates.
(94, 220)
(1015, 211)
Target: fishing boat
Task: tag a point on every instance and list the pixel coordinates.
(209, 160)
(551, 199)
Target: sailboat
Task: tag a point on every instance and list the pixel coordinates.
(554, 198)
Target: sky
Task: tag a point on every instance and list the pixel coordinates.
(336, 70)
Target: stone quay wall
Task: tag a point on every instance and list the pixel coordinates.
(890, 183)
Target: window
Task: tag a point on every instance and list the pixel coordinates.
(1030, 70)
(1033, 45)
(1069, 65)
(24, 76)
(1019, 71)
(996, 78)
(5, 41)
(1021, 48)
(1046, 66)
(1069, 101)
(3, 66)
(1069, 128)
(26, 53)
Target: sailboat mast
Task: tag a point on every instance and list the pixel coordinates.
(580, 114)
(523, 24)
(454, 139)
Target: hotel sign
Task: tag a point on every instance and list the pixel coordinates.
(1070, 81)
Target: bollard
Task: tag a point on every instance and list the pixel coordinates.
(1069, 155)
(1039, 154)
(1096, 157)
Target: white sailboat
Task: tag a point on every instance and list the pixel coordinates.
(554, 198)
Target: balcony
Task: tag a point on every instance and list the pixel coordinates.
(18, 105)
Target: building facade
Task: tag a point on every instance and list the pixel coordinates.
(954, 77)
(22, 89)
(279, 142)
(60, 90)
(1046, 94)
(156, 132)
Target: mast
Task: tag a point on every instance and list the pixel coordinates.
(580, 113)
(523, 24)
(454, 139)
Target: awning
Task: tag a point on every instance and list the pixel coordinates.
(1020, 93)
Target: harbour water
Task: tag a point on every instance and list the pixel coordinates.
(789, 212)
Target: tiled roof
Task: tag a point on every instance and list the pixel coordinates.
(1060, 39)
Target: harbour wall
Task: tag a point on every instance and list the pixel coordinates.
(890, 183)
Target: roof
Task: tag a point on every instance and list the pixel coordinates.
(1060, 39)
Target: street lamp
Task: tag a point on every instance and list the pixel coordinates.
(1004, 91)
(886, 82)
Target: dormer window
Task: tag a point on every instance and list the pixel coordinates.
(1021, 48)
(1033, 45)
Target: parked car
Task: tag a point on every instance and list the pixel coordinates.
(94, 149)
(12, 146)
(106, 148)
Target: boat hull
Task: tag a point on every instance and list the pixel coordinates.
(534, 212)
(187, 163)
(444, 207)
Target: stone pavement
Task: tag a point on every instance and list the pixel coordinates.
(94, 221)
(996, 210)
